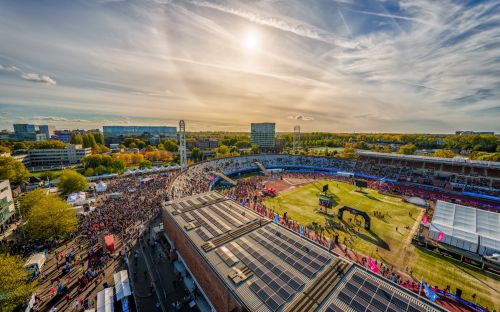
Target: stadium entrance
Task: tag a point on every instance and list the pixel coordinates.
(356, 212)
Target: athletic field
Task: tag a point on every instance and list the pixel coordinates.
(383, 242)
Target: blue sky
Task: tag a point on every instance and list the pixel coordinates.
(346, 65)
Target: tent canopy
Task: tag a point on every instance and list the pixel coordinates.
(105, 301)
(122, 285)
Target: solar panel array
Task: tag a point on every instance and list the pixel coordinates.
(305, 260)
(362, 293)
(227, 256)
(275, 285)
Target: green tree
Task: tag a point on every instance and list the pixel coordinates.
(20, 146)
(15, 286)
(444, 153)
(29, 200)
(50, 217)
(196, 154)
(76, 138)
(408, 149)
(51, 144)
(13, 170)
(145, 164)
(4, 149)
(255, 149)
(71, 181)
(89, 141)
(243, 144)
(170, 145)
(348, 153)
(98, 137)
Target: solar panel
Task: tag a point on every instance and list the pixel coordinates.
(227, 256)
(399, 301)
(203, 234)
(345, 297)
(358, 306)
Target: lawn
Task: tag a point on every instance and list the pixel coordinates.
(383, 242)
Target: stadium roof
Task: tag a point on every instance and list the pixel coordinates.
(451, 161)
(270, 268)
(472, 229)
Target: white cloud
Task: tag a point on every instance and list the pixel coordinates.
(38, 78)
(301, 117)
(9, 68)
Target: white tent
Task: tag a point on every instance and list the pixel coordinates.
(122, 285)
(417, 201)
(101, 187)
(468, 228)
(77, 198)
(105, 300)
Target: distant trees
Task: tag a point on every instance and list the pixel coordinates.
(50, 144)
(348, 153)
(408, 149)
(474, 142)
(76, 138)
(134, 143)
(444, 153)
(4, 149)
(71, 181)
(170, 145)
(196, 154)
(50, 217)
(100, 164)
(88, 140)
(485, 156)
(145, 164)
(13, 170)
(381, 148)
(15, 286)
(20, 146)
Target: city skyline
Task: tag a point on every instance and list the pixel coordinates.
(336, 66)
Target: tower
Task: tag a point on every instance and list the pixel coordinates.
(296, 138)
(182, 144)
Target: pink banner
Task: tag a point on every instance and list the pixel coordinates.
(440, 236)
(372, 265)
(425, 220)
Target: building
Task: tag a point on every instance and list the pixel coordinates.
(7, 208)
(28, 132)
(462, 132)
(56, 158)
(263, 134)
(116, 134)
(203, 143)
(240, 261)
(62, 135)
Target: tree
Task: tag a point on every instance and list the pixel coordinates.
(15, 286)
(51, 144)
(444, 153)
(76, 138)
(170, 145)
(71, 181)
(13, 170)
(20, 146)
(145, 164)
(196, 154)
(89, 141)
(255, 149)
(408, 149)
(29, 200)
(4, 149)
(50, 217)
(348, 153)
(98, 137)
(101, 149)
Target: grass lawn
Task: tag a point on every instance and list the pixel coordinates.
(383, 242)
(52, 173)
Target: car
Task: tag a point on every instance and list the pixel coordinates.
(495, 258)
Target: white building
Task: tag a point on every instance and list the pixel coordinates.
(57, 157)
(7, 208)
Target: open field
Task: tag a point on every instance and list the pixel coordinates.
(383, 242)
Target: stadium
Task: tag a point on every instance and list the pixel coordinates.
(305, 233)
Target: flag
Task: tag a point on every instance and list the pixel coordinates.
(372, 265)
(301, 230)
(440, 237)
(425, 219)
(276, 218)
(429, 293)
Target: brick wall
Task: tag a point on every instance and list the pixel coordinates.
(216, 291)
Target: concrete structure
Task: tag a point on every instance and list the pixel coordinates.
(56, 158)
(7, 208)
(263, 134)
(116, 134)
(244, 262)
(462, 132)
(182, 144)
(28, 132)
(203, 144)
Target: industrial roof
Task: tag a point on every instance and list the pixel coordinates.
(270, 268)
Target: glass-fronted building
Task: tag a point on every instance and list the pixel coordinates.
(263, 134)
(116, 134)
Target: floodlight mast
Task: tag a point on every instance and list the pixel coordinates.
(182, 144)
(296, 138)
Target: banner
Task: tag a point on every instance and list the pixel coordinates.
(276, 218)
(372, 265)
(429, 293)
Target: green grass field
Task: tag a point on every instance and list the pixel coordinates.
(383, 242)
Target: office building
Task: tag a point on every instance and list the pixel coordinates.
(6, 204)
(263, 134)
(116, 134)
(204, 144)
(28, 132)
(57, 157)
(462, 132)
(63, 135)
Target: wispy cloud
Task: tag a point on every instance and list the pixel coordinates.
(38, 78)
(301, 117)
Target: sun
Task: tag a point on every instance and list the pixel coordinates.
(251, 41)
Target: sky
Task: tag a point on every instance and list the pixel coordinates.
(422, 66)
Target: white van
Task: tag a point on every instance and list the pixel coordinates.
(35, 263)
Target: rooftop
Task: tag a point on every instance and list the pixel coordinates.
(270, 268)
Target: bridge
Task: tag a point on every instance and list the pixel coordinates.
(224, 177)
(261, 167)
